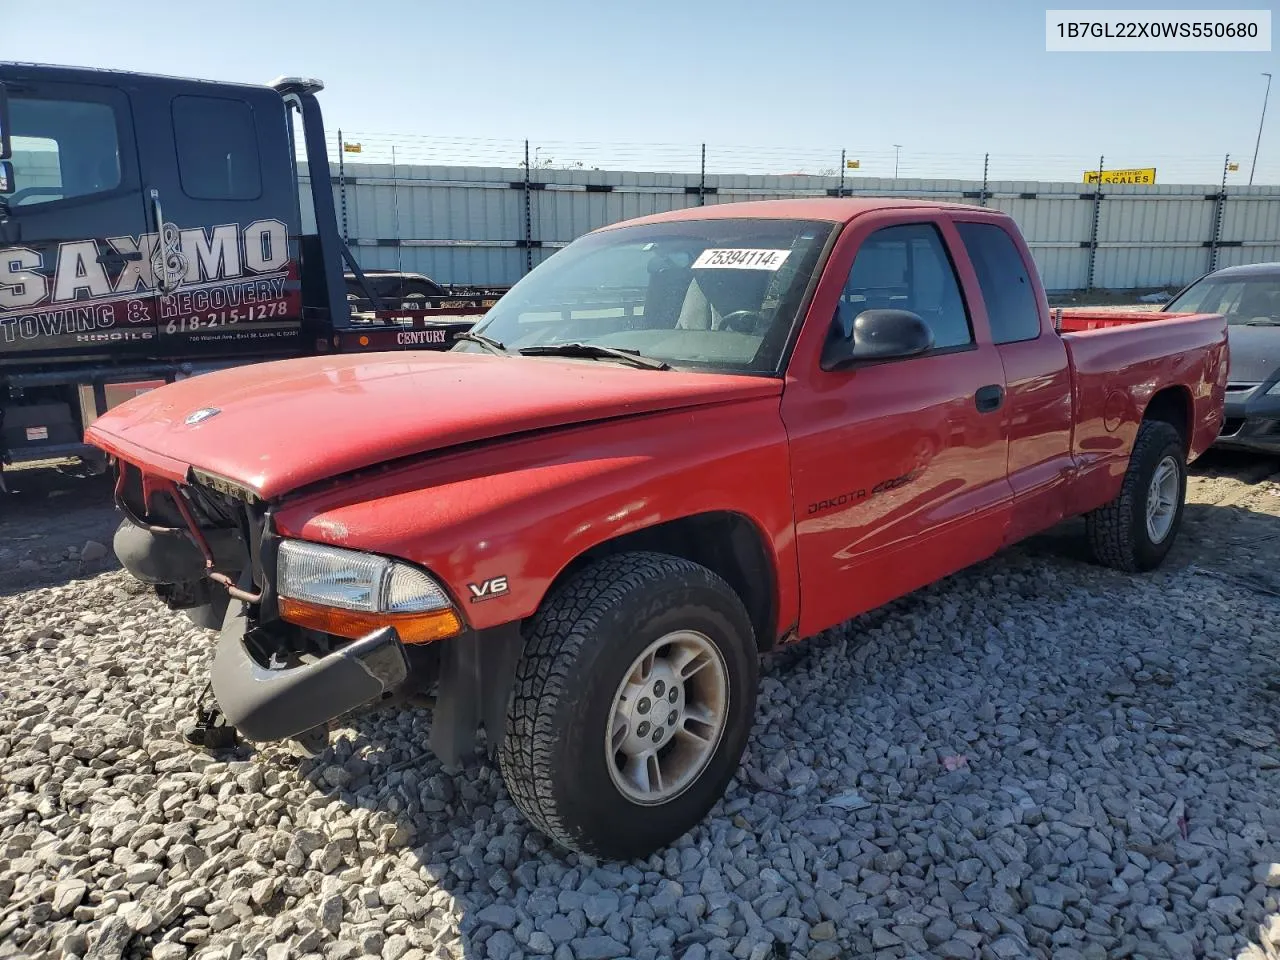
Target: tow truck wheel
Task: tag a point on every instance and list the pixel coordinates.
(632, 704)
(1136, 530)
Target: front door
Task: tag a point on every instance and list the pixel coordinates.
(71, 272)
(899, 467)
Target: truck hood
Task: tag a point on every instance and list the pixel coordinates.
(276, 427)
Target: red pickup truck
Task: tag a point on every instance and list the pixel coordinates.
(681, 441)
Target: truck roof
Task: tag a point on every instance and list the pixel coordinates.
(833, 209)
(70, 74)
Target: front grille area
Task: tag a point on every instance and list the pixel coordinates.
(216, 507)
(228, 488)
(156, 507)
(169, 505)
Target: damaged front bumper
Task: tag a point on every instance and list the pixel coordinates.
(268, 703)
(264, 702)
(214, 558)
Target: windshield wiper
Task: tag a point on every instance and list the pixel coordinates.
(490, 344)
(596, 351)
(1262, 323)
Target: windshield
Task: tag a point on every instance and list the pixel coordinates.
(1242, 300)
(715, 294)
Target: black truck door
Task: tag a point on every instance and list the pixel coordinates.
(73, 271)
(226, 194)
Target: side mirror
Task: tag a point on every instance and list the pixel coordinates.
(879, 335)
(6, 148)
(7, 184)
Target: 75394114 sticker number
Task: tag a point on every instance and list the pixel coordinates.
(740, 258)
(222, 318)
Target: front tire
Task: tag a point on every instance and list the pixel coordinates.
(1136, 530)
(632, 705)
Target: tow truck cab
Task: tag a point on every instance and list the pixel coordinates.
(151, 228)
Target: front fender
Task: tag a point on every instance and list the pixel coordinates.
(497, 524)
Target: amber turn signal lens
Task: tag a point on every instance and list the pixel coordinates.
(353, 624)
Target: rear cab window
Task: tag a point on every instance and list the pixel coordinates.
(1004, 281)
(217, 148)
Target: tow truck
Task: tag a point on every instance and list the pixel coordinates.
(152, 229)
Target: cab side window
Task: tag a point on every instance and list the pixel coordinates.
(907, 268)
(217, 148)
(62, 149)
(1004, 282)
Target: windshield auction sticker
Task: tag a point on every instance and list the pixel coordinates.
(740, 258)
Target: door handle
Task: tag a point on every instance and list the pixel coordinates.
(117, 259)
(157, 212)
(989, 398)
(165, 244)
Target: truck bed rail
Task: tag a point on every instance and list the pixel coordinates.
(1079, 320)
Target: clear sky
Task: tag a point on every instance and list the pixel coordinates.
(770, 87)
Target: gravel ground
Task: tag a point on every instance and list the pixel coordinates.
(1035, 758)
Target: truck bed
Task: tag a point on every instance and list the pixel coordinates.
(1118, 362)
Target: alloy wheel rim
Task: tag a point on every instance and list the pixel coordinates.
(668, 716)
(1162, 500)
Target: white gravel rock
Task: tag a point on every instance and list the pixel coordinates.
(1047, 759)
(68, 894)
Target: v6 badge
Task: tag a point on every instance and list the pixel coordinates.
(493, 587)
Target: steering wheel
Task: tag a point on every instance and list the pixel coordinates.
(731, 321)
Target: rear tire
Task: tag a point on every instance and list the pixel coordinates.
(1136, 530)
(632, 705)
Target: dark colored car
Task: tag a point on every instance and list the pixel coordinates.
(1249, 297)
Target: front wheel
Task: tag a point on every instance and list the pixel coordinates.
(1136, 530)
(632, 705)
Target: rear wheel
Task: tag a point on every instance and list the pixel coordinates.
(1136, 530)
(632, 705)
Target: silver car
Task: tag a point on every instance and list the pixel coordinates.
(1249, 297)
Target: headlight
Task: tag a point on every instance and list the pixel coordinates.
(350, 594)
